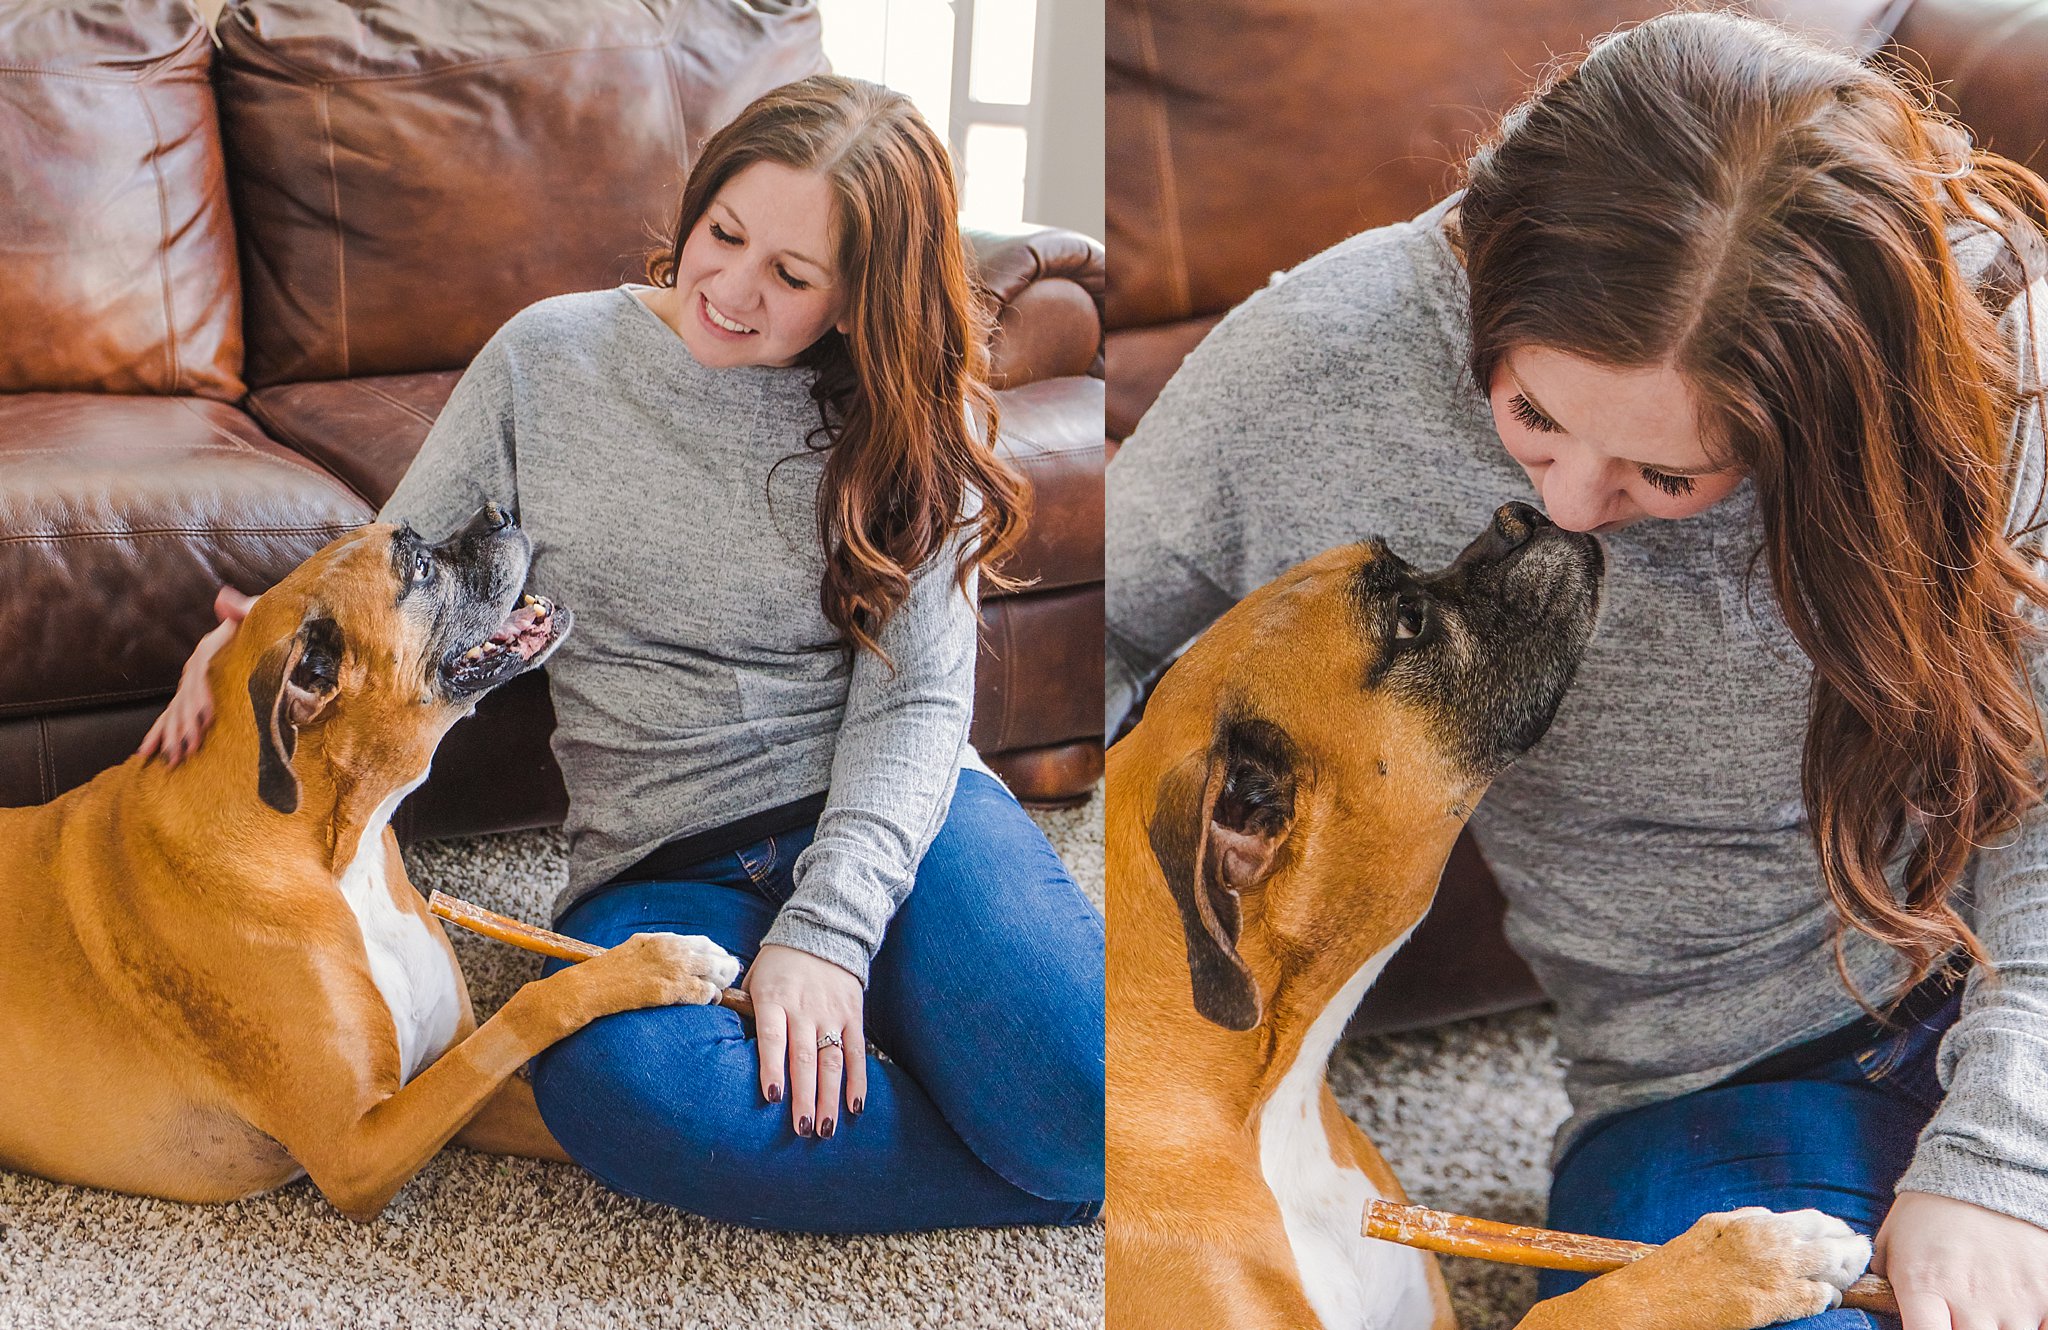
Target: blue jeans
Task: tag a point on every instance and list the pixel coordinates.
(1831, 1132)
(986, 997)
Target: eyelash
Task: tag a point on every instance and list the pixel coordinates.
(725, 237)
(1678, 487)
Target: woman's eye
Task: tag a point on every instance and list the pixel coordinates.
(1410, 614)
(1519, 408)
(794, 282)
(722, 235)
(1677, 487)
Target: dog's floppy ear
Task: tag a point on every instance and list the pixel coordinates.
(290, 687)
(1217, 831)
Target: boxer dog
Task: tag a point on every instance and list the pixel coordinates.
(1277, 824)
(218, 976)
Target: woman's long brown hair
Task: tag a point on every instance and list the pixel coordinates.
(907, 417)
(1769, 217)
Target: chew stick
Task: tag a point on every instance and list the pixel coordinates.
(1516, 1244)
(493, 925)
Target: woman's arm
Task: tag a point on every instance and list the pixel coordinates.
(468, 456)
(1967, 1239)
(893, 771)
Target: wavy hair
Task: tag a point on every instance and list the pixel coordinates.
(907, 418)
(1772, 219)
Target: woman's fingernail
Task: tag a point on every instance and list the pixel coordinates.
(827, 1127)
(855, 1107)
(774, 1094)
(803, 1126)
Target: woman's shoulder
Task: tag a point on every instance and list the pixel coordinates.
(1375, 281)
(1383, 307)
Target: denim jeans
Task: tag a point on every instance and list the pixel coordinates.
(1833, 1133)
(986, 997)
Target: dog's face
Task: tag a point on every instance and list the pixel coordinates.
(1337, 726)
(358, 662)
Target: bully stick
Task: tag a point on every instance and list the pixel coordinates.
(479, 920)
(1489, 1240)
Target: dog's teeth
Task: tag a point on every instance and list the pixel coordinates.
(529, 600)
(473, 653)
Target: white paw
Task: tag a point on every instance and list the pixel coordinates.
(1806, 1247)
(708, 959)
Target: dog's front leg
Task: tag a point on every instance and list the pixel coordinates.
(1733, 1271)
(360, 1158)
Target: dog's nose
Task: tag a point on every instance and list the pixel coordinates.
(1517, 522)
(488, 520)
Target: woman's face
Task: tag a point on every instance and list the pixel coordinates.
(756, 283)
(1604, 447)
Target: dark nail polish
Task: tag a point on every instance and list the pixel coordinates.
(827, 1127)
(803, 1126)
(774, 1094)
(855, 1107)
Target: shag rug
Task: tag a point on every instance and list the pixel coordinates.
(1463, 1112)
(482, 1241)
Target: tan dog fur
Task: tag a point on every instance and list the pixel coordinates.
(187, 1009)
(1196, 1234)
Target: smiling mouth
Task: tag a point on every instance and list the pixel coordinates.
(527, 632)
(721, 321)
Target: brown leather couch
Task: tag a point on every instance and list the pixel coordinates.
(1246, 135)
(238, 283)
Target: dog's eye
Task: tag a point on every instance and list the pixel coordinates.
(1411, 613)
(422, 566)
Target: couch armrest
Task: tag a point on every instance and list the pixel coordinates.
(1047, 285)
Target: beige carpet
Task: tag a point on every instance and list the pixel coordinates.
(477, 1241)
(1464, 1114)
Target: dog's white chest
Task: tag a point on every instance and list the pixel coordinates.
(1353, 1282)
(411, 971)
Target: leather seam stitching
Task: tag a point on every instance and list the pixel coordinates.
(340, 241)
(163, 251)
(1162, 154)
(382, 396)
(179, 532)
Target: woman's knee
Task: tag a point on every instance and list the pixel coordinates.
(639, 1086)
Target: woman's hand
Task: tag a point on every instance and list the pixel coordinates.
(176, 733)
(1958, 1266)
(800, 999)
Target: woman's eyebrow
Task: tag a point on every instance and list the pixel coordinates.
(1537, 407)
(787, 253)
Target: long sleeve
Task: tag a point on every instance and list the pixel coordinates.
(894, 766)
(1988, 1142)
(468, 456)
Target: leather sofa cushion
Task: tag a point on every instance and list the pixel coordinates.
(1254, 133)
(408, 177)
(117, 248)
(367, 430)
(119, 519)
(1987, 56)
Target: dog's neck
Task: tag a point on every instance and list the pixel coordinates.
(1154, 1024)
(331, 819)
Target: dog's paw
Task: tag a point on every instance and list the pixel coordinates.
(1773, 1266)
(672, 968)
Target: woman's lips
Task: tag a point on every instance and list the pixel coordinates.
(705, 316)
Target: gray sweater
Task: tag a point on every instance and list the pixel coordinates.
(1653, 847)
(702, 681)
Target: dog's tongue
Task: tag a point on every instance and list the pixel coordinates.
(524, 630)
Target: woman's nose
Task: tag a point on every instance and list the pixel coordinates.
(1577, 495)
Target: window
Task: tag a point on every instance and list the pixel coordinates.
(972, 67)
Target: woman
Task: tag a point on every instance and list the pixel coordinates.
(763, 484)
(1739, 304)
